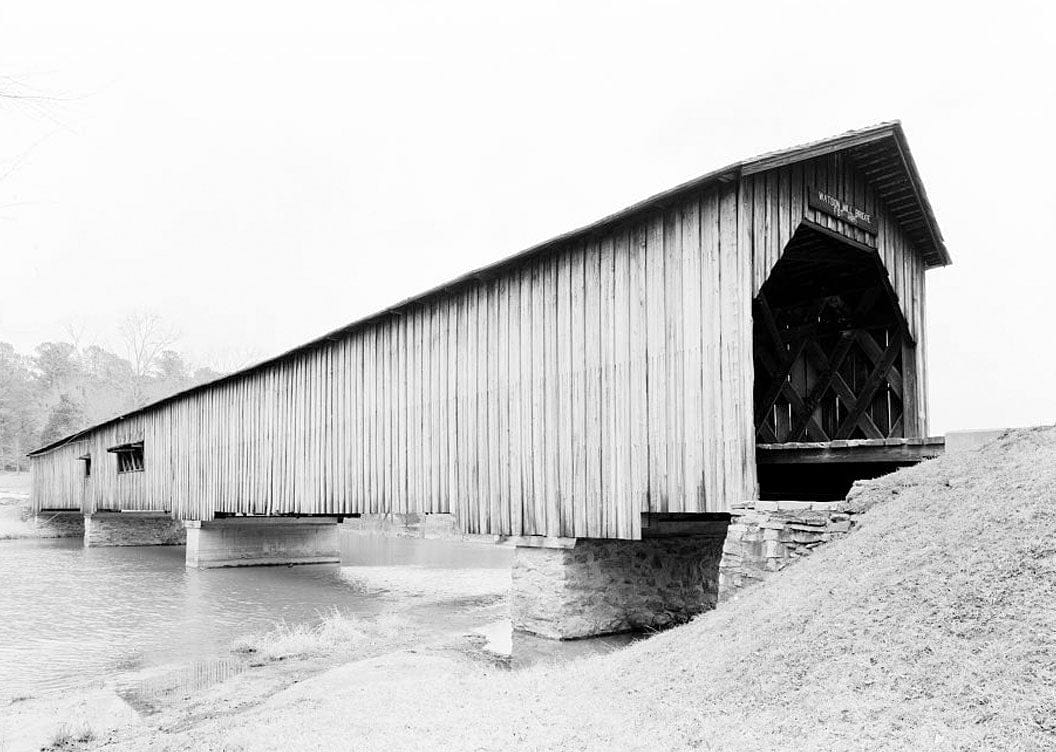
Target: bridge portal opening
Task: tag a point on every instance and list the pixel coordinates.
(830, 348)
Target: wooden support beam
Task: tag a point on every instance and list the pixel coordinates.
(906, 451)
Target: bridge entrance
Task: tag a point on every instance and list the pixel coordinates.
(831, 347)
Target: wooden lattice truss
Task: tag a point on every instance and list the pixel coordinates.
(830, 367)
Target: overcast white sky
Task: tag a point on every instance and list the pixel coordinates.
(261, 174)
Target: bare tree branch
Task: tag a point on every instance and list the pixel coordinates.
(144, 336)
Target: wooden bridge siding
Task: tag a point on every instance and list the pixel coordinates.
(58, 483)
(564, 396)
(774, 204)
(519, 403)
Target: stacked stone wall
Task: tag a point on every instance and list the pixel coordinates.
(58, 524)
(767, 536)
(608, 586)
(132, 529)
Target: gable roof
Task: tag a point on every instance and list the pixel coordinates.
(879, 151)
(882, 154)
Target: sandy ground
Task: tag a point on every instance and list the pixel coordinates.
(429, 613)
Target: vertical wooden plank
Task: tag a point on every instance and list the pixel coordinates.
(492, 508)
(501, 517)
(733, 370)
(551, 385)
(566, 524)
(577, 344)
(691, 357)
(538, 454)
(454, 349)
(784, 208)
(619, 499)
(440, 398)
(797, 197)
(527, 446)
(592, 376)
(516, 428)
(482, 439)
(463, 419)
(638, 402)
(673, 362)
(760, 261)
(609, 454)
(657, 372)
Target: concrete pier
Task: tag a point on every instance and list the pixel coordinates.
(262, 541)
(572, 588)
(132, 529)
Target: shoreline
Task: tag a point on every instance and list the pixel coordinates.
(144, 707)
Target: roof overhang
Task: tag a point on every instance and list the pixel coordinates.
(882, 154)
(132, 446)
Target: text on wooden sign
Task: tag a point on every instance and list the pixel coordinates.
(826, 202)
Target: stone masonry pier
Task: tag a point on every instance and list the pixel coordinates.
(132, 529)
(767, 536)
(566, 589)
(262, 541)
(59, 523)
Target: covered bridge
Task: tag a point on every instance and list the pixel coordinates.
(680, 356)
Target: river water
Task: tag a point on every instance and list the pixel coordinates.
(73, 617)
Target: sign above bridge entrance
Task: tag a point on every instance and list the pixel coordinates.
(843, 211)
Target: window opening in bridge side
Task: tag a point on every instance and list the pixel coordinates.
(129, 457)
(87, 460)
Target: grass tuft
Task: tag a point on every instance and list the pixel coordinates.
(335, 633)
(67, 737)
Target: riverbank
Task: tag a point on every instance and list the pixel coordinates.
(929, 627)
(427, 614)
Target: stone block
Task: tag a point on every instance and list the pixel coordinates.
(132, 529)
(773, 549)
(786, 531)
(795, 506)
(59, 524)
(608, 586)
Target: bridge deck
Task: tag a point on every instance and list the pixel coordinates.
(850, 450)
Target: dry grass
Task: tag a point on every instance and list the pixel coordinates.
(66, 737)
(335, 633)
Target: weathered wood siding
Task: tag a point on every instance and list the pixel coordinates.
(774, 202)
(563, 396)
(58, 480)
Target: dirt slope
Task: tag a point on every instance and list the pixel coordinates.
(931, 627)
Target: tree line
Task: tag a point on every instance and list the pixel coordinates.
(62, 387)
